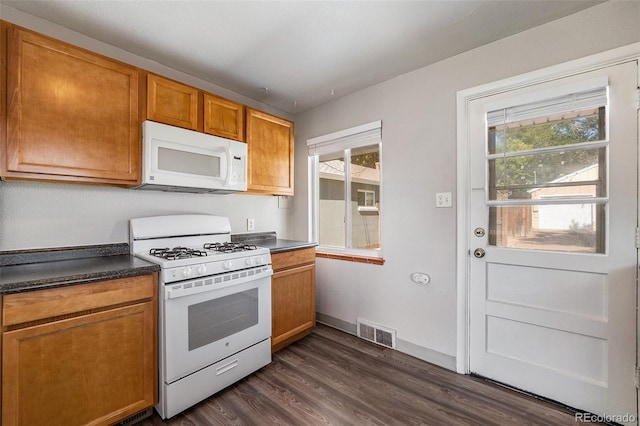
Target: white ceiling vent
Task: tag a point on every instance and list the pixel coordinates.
(376, 333)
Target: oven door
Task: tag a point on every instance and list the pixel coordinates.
(210, 318)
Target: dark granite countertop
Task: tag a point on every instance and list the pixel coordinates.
(24, 270)
(272, 242)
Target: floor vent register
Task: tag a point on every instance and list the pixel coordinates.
(375, 333)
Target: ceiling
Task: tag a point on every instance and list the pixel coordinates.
(294, 55)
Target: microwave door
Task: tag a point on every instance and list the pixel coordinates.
(189, 164)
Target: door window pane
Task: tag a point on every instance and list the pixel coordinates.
(559, 227)
(554, 181)
(557, 173)
(548, 131)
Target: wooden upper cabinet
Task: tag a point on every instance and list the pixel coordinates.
(71, 115)
(223, 117)
(172, 103)
(177, 104)
(270, 153)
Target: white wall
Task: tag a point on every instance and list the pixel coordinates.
(418, 113)
(419, 159)
(34, 215)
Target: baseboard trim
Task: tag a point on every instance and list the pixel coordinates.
(341, 325)
(425, 354)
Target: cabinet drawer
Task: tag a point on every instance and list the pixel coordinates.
(55, 302)
(293, 258)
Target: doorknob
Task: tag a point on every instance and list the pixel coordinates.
(479, 253)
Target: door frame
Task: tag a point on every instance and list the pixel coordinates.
(464, 97)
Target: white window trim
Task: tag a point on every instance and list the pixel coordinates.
(343, 140)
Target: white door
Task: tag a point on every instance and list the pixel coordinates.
(554, 199)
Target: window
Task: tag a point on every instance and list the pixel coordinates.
(366, 199)
(345, 190)
(547, 174)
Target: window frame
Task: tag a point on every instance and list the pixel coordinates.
(343, 141)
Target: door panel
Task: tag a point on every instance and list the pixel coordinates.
(505, 331)
(556, 290)
(552, 303)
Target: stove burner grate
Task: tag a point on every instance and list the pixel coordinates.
(229, 247)
(176, 253)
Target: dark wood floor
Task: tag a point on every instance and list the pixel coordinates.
(333, 378)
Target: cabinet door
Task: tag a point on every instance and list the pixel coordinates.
(223, 117)
(97, 368)
(172, 103)
(293, 298)
(72, 115)
(270, 152)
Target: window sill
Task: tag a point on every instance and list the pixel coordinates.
(351, 258)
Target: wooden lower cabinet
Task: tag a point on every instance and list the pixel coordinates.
(93, 362)
(293, 296)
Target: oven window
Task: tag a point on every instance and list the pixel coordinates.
(191, 163)
(216, 319)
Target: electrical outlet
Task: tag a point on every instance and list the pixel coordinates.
(443, 199)
(251, 224)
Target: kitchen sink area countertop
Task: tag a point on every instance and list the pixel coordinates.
(25, 270)
(271, 241)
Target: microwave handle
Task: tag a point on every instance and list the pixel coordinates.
(227, 151)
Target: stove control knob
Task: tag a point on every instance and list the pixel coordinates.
(187, 271)
(202, 269)
(248, 261)
(226, 265)
(259, 260)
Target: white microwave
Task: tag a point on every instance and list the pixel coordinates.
(181, 160)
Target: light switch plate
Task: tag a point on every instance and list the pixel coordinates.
(443, 199)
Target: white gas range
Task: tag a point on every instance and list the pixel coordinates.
(215, 305)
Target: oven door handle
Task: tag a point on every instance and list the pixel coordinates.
(177, 290)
